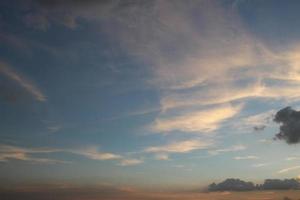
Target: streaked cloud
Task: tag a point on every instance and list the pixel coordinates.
(292, 158)
(161, 156)
(233, 148)
(265, 141)
(181, 146)
(203, 121)
(256, 122)
(285, 170)
(8, 152)
(93, 153)
(23, 82)
(258, 165)
(54, 129)
(129, 162)
(246, 158)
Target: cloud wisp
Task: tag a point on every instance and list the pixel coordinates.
(291, 158)
(130, 162)
(233, 148)
(285, 170)
(9, 152)
(260, 165)
(185, 146)
(93, 153)
(23, 82)
(203, 121)
(246, 157)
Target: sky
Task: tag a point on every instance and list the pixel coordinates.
(147, 94)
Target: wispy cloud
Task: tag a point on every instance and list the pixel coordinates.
(162, 156)
(233, 148)
(202, 121)
(93, 153)
(285, 170)
(255, 122)
(25, 83)
(258, 165)
(292, 158)
(129, 162)
(8, 152)
(54, 129)
(246, 158)
(181, 146)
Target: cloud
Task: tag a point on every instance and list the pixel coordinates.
(255, 122)
(288, 169)
(265, 141)
(202, 121)
(23, 82)
(162, 156)
(258, 165)
(93, 153)
(292, 158)
(289, 121)
(54, 129)
(259, 128)
(8, 152)
(129, 162)
(219, 63)
(232, 185)
(181, 146)
(246, 158)
(233, 148)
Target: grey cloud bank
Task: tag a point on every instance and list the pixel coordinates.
(289, 120)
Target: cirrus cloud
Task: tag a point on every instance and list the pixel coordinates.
(202, 121)
(184, 146)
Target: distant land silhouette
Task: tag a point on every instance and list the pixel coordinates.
(232, 184)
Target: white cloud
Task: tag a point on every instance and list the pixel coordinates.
(162, 156)
(292, 158)
(233, 148)
(93, 153)
(201, 121)
(257, 120)
(129, 162)
(258, 165)
(54, 129)
(288, 169)
(265, 141)
(246, 158)
(8, 152)
(181, 146)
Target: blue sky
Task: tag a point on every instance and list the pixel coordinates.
(151, 94)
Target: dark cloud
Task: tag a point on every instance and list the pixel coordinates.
(259, 127)
(42, 14)
(232, 185)
(289, 120)
(55, 3)
(240, 185)
(277, 184)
